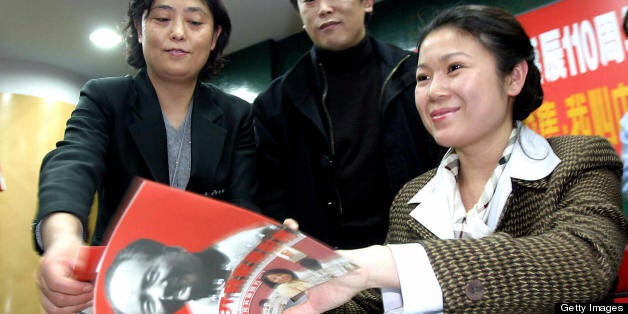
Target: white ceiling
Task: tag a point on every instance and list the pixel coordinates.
(55, 32)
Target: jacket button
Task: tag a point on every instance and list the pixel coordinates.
(327, 161)
(332, 204)
(474, 290)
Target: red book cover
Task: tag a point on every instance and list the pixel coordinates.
(173, 251)
(86, 264)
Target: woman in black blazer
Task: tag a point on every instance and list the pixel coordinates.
(162, 124)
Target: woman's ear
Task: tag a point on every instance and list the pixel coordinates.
(138, 29)
(215, 37)
(517, 78)
(368, 6)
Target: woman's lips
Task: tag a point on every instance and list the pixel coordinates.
(177, 52)
(443, 113)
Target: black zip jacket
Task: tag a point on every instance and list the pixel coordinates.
(296, 162)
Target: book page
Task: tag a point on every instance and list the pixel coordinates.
(173, 251)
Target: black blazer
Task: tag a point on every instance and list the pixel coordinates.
(117, 133)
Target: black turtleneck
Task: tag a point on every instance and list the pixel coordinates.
(354, 83)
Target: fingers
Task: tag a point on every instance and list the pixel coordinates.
(303, 308)
(51, 308)
(314, 303)
(291, 223)
(60, 293)
(63, 292)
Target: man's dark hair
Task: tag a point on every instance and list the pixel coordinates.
(147, 249)
(215, 62)
(141, 249)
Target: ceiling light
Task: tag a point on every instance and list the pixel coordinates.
(105, 38)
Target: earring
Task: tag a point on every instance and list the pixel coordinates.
(303, 26)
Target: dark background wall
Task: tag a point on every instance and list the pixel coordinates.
(395, 21)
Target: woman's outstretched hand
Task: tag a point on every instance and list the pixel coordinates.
(376, 268)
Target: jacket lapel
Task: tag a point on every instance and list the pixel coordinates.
(147, 128)
(420, 231)
(432, 209)
(397, 72)
(208, 137)
(294, 86)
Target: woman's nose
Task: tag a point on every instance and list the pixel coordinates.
(437, 87)
(178, 30)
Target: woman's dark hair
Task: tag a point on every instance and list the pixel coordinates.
(500, 33)
(215, 62)
(276, 271)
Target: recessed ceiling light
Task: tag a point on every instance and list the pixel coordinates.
(105, 38)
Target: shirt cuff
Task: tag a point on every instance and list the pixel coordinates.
(38, 236)
(420, 290)
(38, 233)
(392, 301)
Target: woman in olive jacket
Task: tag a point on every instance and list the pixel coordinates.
(510, 222)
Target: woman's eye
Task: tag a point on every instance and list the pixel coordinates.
(422, 77)
(454, 67)
(196, 23)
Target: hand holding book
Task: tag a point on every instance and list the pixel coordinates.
(193, 254)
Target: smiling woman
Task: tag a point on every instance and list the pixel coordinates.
(164, 124)
(485, 230)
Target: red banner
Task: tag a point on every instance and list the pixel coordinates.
(582, 54)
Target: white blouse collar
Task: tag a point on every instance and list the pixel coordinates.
(532, 159)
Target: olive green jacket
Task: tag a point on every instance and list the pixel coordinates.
(559, 239)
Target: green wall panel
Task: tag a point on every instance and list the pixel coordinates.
(247, 71)
(395, 21)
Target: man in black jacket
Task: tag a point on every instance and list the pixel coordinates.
(338, 134)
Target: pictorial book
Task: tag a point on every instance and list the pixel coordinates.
(173, 251)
